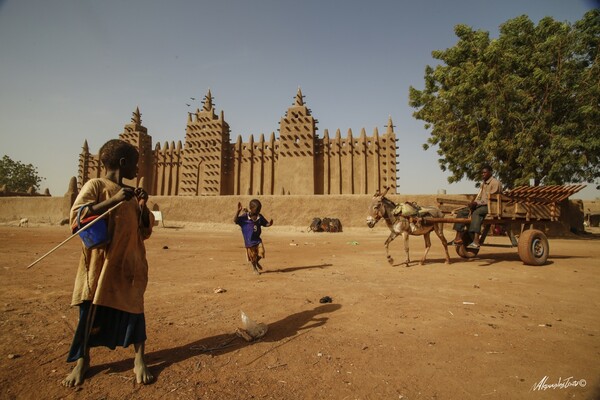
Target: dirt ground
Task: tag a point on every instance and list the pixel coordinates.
(486, 328)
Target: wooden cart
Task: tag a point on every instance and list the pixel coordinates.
(514, 212)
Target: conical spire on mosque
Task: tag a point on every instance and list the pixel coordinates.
(72, 185)
(208, 102)
(390, 125)
(137, 116)
(299, 101)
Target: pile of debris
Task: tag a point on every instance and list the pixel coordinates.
(325, 225)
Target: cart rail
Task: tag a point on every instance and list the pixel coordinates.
(524, 203)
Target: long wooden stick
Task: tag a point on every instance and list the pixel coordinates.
(75, 234)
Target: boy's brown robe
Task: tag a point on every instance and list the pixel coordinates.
(115, 275)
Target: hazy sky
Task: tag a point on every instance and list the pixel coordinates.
(76, 70)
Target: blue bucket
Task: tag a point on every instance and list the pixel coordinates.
(94, 236)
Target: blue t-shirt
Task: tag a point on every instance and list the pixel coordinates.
(251, 229)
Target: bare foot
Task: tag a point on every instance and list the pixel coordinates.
(142, 373)
(140, 369)
(75, 378)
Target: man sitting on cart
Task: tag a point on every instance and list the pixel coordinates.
(478, 208)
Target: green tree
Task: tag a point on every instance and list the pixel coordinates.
(528, 102)
(17, 176)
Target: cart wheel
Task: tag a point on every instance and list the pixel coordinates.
(462, 249)
(533, 247)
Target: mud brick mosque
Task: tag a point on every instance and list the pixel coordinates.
(298, 162)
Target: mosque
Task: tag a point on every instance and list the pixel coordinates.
(297, 162)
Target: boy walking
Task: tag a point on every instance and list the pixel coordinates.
(251, 223)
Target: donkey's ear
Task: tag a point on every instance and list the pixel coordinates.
(385, 191)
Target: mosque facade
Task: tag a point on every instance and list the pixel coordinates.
(298, 162)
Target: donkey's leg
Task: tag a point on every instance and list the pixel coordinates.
(427, 238)
(390, 238)
(439, 231)
(405, 236)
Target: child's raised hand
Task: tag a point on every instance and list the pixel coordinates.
(239, 206)
(271, 222)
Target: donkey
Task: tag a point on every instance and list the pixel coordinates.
(381, 207)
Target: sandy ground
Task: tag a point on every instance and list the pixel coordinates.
(487, 328)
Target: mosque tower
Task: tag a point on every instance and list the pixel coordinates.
(295, 158)
(204, 153)
(137, 135)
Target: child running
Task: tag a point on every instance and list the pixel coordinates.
(251, 223)
(111, 279)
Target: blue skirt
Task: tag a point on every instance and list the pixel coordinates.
(111, 328)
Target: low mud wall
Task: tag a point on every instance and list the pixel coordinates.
(46, 210)
(284, 210)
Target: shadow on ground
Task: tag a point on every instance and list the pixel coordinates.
(281, 332)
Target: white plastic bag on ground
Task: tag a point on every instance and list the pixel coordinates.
(251, 330)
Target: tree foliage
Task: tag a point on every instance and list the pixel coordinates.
(17, 176)
(528, 102)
